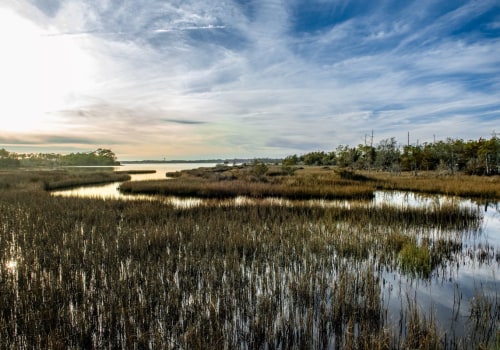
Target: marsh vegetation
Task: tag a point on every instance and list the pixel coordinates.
(36, 180)
(312, 182)
(95, 273)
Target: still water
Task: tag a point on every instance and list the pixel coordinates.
(446, 294)
(110, 191)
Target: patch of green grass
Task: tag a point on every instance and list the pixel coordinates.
(416, 259)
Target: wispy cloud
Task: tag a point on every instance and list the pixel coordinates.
(166, 30)
(183, 121)
(36, 139)
(271, 78)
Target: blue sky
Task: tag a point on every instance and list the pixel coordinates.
(196, 79)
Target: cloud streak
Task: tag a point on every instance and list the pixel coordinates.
(272, 78)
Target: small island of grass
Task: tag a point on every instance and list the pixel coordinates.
(261, 180)
(258, 180)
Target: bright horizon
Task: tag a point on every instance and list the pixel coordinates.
(244, 79)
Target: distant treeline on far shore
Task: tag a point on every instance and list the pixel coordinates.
(99, 157)
(474, 157)
(206, 161)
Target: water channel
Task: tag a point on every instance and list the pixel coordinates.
(447, 292)
(110, 190)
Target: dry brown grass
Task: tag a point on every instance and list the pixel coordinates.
(311, 182)
(90, 273)
(485, 187)
(94, 273)
(227, 182)
(38, 180)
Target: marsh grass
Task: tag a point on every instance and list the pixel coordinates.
(421, 332)
(89, 273)
(83, 179)
(430, 182)
(92, 273)
(230, 189)
(47, 180)
(230, 182)
(485, 317)
(310, 182)
(417, 259)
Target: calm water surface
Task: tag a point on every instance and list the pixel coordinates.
(471, 272)
(110, 191)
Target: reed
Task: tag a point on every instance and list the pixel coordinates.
(421, 332)
(76, 180)
(484, 317)
(57, 179)
(310, 182)
(431, 182)
(91, 273)
(229, 182)
(230, 189)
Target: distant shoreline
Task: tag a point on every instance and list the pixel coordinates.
(221, 161)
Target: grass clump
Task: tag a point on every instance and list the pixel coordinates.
(421, 331)
(416, 259)
(422, 259)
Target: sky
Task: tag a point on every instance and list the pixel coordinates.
(197, 79)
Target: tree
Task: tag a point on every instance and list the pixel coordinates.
(412, 158)
(105, 156)
(367, 156)
(315, 158)
(291, 160)
(347, 156)
(488, 151)
(387, 154)
(97, 157)
(7, 160)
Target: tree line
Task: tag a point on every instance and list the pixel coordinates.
(474, 157)
(99, 157)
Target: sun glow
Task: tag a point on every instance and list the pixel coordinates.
(40, 72)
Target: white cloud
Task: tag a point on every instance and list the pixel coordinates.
(253, 86)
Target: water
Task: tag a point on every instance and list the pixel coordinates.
(450, 289)
(110, 191)
(446, 294)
